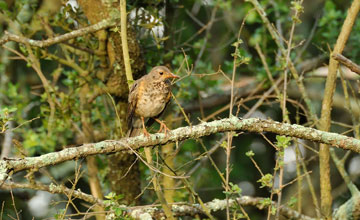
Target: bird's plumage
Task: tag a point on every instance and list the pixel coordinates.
(148, 97)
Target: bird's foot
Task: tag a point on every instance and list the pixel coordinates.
(163, 127)
(146, 133)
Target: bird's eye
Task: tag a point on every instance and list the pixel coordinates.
(161, 73)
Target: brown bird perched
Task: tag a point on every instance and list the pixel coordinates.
(148, 97)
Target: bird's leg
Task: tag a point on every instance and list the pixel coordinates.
(162, 126)
(146, 133)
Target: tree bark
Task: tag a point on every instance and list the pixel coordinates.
(116, 84)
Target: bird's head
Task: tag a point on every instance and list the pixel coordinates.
(161, 73)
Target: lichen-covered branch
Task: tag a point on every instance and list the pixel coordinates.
(138, 212)
(54, 189)
(48, 42)
(215, 205)
(179, 134)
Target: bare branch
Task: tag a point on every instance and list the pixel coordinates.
(48, 42)
(347, 62)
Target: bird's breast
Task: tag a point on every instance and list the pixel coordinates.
(153, 99)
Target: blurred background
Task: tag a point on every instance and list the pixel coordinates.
(73, 96)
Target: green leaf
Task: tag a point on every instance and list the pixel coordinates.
(118, 211)
(250, 153)
(266, 180)
(3, 5)
(292, 202)
(265, 202)
(224, 144)
(111, 195)
(282, 141)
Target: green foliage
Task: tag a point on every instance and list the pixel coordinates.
(331, 21)
(3, 6)
(46, 121)
(117, 211)
(5, 117)
(250, 153)
(190, 87)
(235, 189)
(282, 141)
(329, 28)
(297, 7)
(112, 197)
(59, 214)
(223, 4)
(241, 56)
(292, 202)
(267, 202)
(224, 144)
(266, 180)
(33, 142)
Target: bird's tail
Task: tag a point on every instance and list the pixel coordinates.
(136, 128)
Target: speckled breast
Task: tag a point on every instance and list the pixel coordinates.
(154, 99)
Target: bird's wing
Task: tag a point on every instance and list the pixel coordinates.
(133, 98)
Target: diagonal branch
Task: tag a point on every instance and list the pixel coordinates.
(224, 125)
(347, 62)
(48, 42)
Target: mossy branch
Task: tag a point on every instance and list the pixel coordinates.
(214, 205)
(154, 211)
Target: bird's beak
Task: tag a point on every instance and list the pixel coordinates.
(171, 76)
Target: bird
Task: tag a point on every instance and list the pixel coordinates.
(148, 98)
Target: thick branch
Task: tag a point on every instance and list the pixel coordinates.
(183, 133)
(48, 42)
(325, 119)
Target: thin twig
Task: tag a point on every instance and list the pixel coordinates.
(207, 35)
(283, 105)
(151, 167)
(277, 38)
(266, 67)
(230, 134)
